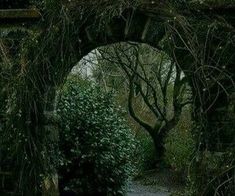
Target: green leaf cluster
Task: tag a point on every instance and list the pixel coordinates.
(96, 143)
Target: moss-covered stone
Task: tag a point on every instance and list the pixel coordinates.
(19, 13)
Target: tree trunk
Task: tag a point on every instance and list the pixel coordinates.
(159, 148)
(158, 140)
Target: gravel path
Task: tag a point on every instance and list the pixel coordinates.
(136, 189)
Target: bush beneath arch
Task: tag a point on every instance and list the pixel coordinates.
(95, 141)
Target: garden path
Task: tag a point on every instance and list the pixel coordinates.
(136, 189)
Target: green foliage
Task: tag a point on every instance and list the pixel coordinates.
(212, 174)
(180, 146)
(218, 173)
(145, 154)
(95, 141)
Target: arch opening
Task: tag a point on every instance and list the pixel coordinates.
(146, 83)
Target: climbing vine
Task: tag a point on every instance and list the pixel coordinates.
(202, 44)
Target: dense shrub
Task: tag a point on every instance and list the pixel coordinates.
(95, 141)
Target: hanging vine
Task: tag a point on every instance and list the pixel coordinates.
(200, 43)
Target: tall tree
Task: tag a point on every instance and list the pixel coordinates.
(148, 76)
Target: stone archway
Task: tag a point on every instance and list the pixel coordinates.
(210, 101)
(147, 25)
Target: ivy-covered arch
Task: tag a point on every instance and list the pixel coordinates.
(199, 38)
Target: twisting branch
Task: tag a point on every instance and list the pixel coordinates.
(151, 83)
